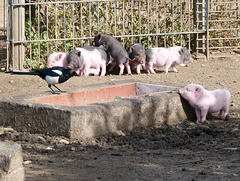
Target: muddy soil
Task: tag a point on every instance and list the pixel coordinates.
(188, 151)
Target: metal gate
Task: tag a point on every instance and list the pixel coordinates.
(37, 28)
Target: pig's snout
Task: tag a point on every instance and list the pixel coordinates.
(70, 66)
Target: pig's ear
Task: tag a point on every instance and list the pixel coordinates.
(197, 89)
(180, 51)
(105, 45)
(99, 37)
(130, 49)
(60, 56)
(78, 54)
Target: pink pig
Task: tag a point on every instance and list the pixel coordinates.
(88, 60)
(204, 101)
(168, 57)
(57, 59)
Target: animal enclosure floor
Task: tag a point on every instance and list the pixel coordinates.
(189, 151)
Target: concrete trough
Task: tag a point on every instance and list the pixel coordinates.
(95, 110)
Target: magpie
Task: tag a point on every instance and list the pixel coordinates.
(54, 75)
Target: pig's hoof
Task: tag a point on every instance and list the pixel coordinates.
(226, 118)
(55, 92)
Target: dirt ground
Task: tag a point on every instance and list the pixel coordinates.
(188, 151)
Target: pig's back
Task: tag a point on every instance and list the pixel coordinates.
(222, 99)
(158, 56)
(93, 55)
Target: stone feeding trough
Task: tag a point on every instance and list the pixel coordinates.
(94, 110)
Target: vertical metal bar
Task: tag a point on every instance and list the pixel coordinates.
(81, 23)
(156, 43)
(106, 27)
(47, 32)
(64, 25)
(90, 22)
(30, 30)
(237, 16)
(172, 22)
(12, 38)
(189, 22)
(148, 23)
(22, 34)
(98, 27)
(165, 43)
(115, 16)
(197, 27)
(38, 30)
(181, 21)
(73, 27)
(56, 30)
(8, 19)
(132, 21)
(123, 28)
(207, 29)
(140, 21)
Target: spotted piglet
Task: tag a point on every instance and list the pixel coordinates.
(167, 57)
(137, 54)
(204, 101)
(88, 60)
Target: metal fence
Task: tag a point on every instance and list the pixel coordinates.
(36, 28)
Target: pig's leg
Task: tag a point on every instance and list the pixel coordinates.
(86, 70)
(174, 68)
(128, 68)
(146, 67)
(138, 69)
(226, 112)
(103, 70)
(203, 114)
(223, 114)
(121, 66)
(167, 66)
(94, 71)
(150, 68)
(112, 65)
(198, 114)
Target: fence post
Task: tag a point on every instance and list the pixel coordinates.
(16, 34)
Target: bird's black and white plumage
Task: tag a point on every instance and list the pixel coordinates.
(54, 75)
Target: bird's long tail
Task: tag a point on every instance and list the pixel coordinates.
(23, 73)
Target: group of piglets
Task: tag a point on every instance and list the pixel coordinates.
(93, 60)
(90, 60)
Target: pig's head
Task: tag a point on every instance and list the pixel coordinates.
(74, 60)
(137, 54)
(185, 55)
(57, 59)
(192, 92)
(100, 40)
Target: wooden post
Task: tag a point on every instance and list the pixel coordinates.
(17, 33)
